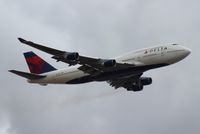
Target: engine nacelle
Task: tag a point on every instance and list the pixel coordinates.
(71, 56)
(146, 80)
(108, 63)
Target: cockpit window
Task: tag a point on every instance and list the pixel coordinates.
(175, 44)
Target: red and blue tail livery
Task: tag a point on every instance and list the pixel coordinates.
(36, 64)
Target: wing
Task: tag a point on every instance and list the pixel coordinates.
(57, 54)
(89, 65)
(126, 83)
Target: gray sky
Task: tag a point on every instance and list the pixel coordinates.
(100, 28)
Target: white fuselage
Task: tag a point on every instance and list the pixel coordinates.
(164, 54)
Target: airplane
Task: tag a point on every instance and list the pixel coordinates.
(124, 71)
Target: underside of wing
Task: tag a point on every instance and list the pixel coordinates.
(127, 83)
(97, 68)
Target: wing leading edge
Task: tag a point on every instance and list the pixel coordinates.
(89, 65)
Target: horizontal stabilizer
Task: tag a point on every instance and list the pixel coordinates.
(29, 76)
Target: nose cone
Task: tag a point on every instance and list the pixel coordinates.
(187, 51)
(182, 52)
(178, 53)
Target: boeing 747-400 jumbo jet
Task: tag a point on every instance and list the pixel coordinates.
(124, 71)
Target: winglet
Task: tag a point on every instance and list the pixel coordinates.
(41, 47)
(25, 41)
(22, 40)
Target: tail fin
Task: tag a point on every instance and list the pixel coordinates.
(36, 64)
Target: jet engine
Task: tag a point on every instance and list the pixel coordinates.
(138, 86)
(146, 80)
(71, 56)
(108, 63)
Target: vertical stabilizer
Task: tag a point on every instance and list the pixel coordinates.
(36, 64)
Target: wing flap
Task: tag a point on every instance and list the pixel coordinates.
(29, 76)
